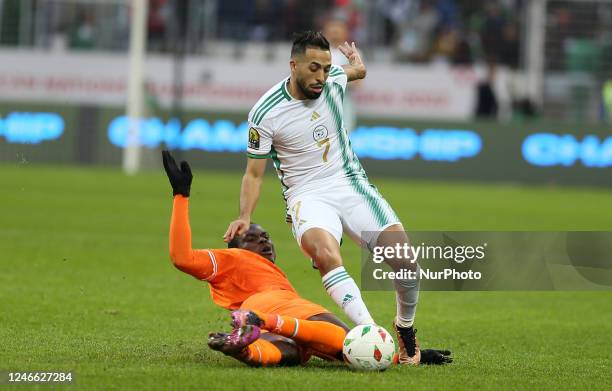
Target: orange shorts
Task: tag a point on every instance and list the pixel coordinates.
(284, 303)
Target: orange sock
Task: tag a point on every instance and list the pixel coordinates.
(324, 337)
(261, 353)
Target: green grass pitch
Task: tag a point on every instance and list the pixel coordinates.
(86, 285)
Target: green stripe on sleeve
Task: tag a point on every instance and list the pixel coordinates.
(266, 103)
(269, 107)
(255, 156)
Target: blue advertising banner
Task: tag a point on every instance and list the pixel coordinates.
(535, 152)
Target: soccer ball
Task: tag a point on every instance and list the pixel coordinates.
(368, 347)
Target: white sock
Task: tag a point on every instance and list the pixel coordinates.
(343, 290)
(406, 297)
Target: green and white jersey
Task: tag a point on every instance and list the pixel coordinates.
(305, 139)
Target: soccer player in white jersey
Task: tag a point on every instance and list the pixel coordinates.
(298, 124)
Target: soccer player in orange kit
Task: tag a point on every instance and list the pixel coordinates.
(243, 278)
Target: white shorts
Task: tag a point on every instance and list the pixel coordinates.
(357, 209)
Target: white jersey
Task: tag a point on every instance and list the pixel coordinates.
(306, 139)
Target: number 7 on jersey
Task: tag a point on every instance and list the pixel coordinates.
(321, 143)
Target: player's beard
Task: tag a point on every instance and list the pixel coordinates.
(307, 92)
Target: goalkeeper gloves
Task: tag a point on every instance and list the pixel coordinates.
(180, 178)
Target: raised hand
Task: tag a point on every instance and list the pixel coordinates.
(236, 227)
(351, 53)
(180, 178)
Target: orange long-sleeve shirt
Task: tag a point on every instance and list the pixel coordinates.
(233, 274)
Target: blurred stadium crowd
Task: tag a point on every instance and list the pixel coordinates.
(454, 31)
(417, 31)
(577, 55)
(457, 31)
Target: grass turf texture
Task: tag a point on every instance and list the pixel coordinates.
(86, 285)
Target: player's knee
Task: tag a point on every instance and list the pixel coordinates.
(393, 236)
(403, 257)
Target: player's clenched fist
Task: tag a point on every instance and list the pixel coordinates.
(236, 227)
(180, 178)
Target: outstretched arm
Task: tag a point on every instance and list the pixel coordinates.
(249, 194)
(197, 263)
(181, 253)
(356, 69)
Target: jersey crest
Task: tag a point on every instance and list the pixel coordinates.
(320, 133)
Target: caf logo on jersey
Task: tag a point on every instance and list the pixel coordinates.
(253, 138)
(320, 133)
